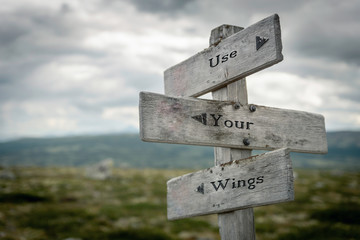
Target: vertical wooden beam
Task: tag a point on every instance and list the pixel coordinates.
(237, 225)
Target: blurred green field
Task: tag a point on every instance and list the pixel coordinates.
(61, 203)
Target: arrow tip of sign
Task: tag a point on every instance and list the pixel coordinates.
(200, 118)
(200, 189)
(260, 41)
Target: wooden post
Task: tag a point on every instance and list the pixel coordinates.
(237, 225)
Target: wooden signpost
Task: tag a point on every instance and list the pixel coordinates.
(255, 181)
(241, 54)
(229, 124)
(238, 181)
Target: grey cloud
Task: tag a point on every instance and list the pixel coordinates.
(329, 33)
(352, 96)
(26, 20)
(167, 7)
(99, 106)
(275, 6)
(334, 46)
(31, 37)
(141, 80)
(324, 71)
(11, 30)
(39, 32)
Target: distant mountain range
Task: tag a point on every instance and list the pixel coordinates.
(127, 150)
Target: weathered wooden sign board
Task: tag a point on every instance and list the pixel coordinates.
(228, 124)
(256, 181)
(233, 127)
(246, 52)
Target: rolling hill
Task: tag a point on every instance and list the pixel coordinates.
(127, 150)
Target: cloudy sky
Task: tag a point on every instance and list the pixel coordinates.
(77, 67)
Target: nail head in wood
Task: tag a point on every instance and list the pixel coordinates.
(252, 108)
(246, 142)
(237, 105)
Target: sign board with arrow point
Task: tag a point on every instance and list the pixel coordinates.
(221, 123)
(256, 181)
(243, 53)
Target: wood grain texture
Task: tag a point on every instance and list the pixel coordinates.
(220, 33)
(218, 123)
(205, 72)
(239, 224)
(256, 181)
